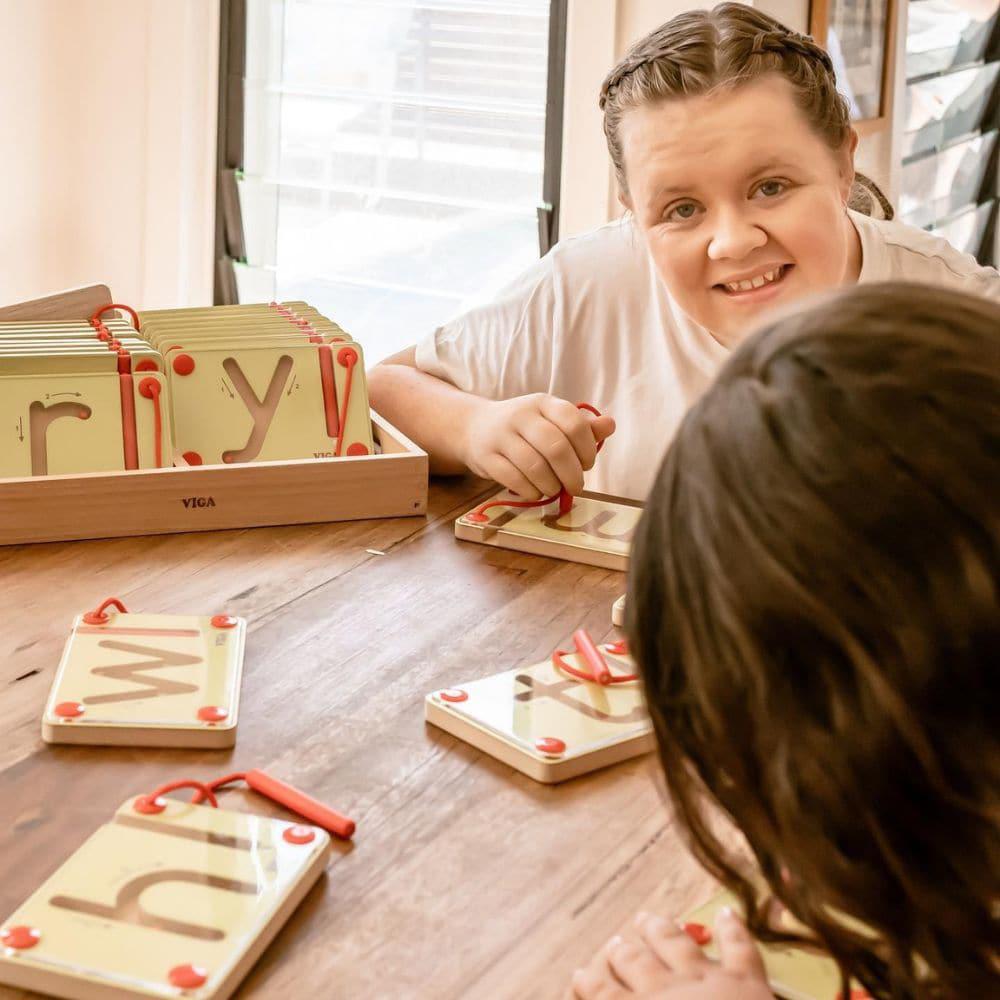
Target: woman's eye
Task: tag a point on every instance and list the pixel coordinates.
(771, 188)
(682, 212)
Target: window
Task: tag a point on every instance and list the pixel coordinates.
(393, 156)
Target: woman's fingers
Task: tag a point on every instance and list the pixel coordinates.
(602, 427)
(638, 967)
(553, 445)
(672, 946)
(532, 464)
(574, 424)
(596, 981)
(503, 471)
(738, 953)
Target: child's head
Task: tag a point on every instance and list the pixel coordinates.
(735, 153)
(814, 603)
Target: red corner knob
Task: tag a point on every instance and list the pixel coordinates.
(212, 713)
(225, 621)
(183, 364)
(187, 977)
(20, 937)
(299, 834)
(550, 746)
(357, 449)
(454, 694)
(149, 806)
(69, 710)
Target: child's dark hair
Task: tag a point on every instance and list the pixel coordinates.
(813, 603)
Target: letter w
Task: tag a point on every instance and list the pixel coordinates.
(152, 687)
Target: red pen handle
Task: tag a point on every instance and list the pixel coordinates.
(299, 802)
(592, 656)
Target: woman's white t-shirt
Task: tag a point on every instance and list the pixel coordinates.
(592, 322)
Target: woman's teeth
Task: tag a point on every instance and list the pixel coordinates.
(751, 283)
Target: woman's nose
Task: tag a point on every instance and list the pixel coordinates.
(733, 236)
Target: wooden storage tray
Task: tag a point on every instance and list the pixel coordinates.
(208, 497)
(212, 497)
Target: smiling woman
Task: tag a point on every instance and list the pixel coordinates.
(734, 151)
(735, 232)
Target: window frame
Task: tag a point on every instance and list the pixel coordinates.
(230, 245)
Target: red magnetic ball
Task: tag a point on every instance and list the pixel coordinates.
(698, 933)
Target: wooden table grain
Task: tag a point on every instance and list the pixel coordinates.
(465, 878)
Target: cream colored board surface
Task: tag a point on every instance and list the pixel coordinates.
(73, 423)
(506, 715)
(793, 973)
(618, 612)
(58, 425)
(263, 404)
(597, 530)
(141, 680)
(145, 894)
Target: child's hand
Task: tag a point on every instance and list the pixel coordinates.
(668, 965)
(534, 445)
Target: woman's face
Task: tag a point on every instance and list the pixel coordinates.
(740, 201)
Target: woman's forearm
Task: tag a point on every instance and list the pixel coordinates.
(431, 412)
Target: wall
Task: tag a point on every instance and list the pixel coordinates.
(598, 34)
(109, 108)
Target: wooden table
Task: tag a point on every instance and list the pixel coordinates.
(465, 878)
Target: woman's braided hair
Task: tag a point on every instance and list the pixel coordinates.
(700, 51)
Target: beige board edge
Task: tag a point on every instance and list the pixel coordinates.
(618, 612)
(218, 738)
(500, 539)
(27, 978)
(546, 772)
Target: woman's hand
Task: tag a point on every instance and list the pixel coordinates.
(667, 965)
(534, 445)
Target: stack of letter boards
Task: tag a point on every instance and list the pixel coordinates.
(212, 386)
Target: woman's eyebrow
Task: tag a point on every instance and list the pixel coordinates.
(773, 163)
(671, 190)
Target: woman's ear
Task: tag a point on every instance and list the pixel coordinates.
(624, 200)
(845, 165)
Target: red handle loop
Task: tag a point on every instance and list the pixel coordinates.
(565, 500)
(149, 388)
(117, 305)
(347, 357)
(599, 672)
(278, 791)
(99, 616)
